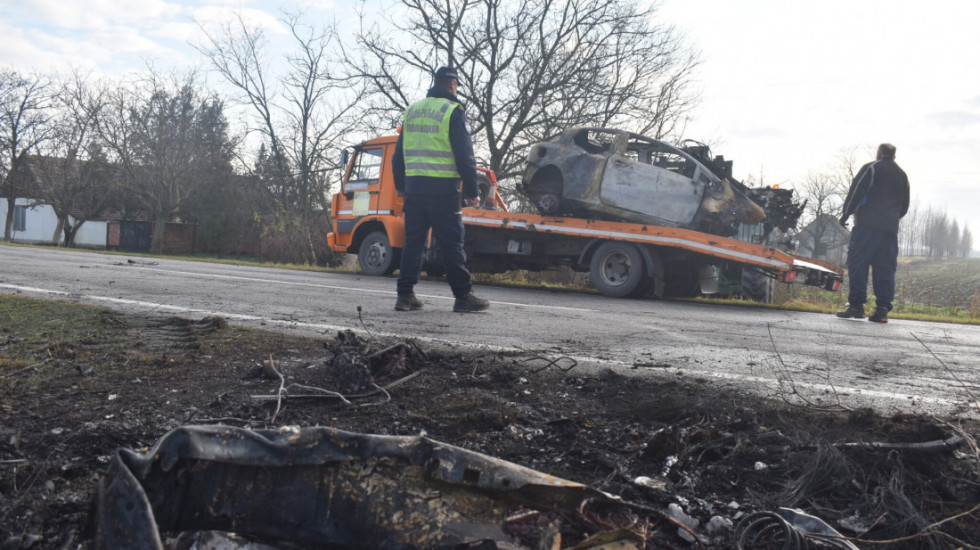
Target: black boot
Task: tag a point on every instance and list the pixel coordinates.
(408, 303)
(852, 312)
(470, 303)
(879, 316)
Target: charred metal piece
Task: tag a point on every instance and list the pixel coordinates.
(321, 487)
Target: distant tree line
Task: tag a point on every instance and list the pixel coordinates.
(931, 232)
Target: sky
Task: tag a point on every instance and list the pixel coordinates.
(786, 86)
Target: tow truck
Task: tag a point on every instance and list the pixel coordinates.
(622, 258)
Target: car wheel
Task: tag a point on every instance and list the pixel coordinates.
(376, 255)
(617, 270)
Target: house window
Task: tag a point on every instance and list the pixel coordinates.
(20, 218)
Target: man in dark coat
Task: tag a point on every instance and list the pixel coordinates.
(434, 152)
(878, 198)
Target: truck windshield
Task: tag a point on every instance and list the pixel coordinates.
(365, 171)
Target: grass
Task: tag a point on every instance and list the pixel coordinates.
(65, 328)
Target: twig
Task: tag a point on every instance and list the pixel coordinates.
(27, 368)
(927, 530)
(282, 387)
(382, 390)
(792, 385)
(14, 461)
(325, 392)
(398, 382)
(219, 420)
(386, 350)
(328, 394)
(552, 362)
(928, 447)
(969, 394)
(361, 320)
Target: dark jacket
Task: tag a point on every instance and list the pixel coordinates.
(879, 196)
(462, 144)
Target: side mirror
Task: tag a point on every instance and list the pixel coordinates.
(344, 157)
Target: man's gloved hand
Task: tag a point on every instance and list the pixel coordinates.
(474, 202)
(843, 221)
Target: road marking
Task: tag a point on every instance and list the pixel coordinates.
(836, 390)
(347, 288)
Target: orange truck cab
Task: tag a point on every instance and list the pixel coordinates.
(622, 258)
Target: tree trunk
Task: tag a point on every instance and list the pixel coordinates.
(156, 242)
(9, 225)
(56, 238)
(70, 232)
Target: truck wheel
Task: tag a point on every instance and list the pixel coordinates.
(617, 270)
(376, 255)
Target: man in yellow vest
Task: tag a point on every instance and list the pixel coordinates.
(434, 152)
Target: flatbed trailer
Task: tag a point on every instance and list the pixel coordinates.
(623, 258)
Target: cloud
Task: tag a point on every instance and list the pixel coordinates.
(100, 14)
(954, 118)
(217, 16)
(117, 36)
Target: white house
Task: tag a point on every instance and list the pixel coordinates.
(37, 225)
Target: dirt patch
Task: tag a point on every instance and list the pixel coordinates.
(77, 383)
(946, 283)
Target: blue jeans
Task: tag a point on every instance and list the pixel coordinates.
(878, 250)
(441, 213)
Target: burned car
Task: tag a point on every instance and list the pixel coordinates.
(614, 175)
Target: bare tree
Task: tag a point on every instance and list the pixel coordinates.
(25, 117)
(910, 229)
(966, 242)
(304, 115)
(167, 138)
(936, 235)
(529, 69)
(73, 175)
(824, 195)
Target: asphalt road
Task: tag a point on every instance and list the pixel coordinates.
(807, 358)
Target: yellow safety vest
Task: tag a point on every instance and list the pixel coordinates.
(425, 139)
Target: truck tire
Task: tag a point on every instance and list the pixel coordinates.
(376, 255)
(617, 270)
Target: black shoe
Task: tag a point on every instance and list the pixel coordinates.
(879, 316)
(852, 312)
(470, 303)
(408, 303)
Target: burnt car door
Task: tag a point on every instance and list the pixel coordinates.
(654, 180)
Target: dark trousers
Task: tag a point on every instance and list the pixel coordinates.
(878, 250)
(442, 213)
